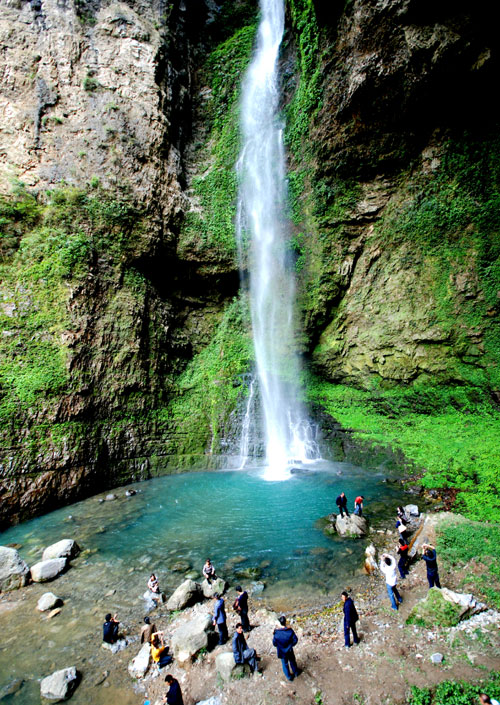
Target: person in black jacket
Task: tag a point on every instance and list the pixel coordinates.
(242, 654)
(341, 503)
(284, 639)
(241, 606)
(110, 629)
(403, 558)
(350, 619)
(429, 556)
(174, 695)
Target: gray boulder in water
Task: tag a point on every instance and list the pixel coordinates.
(47, 570)
(186, 594)
(60, 685)
(13, 570)
(48, 601)
(352, 525)
(66, 548)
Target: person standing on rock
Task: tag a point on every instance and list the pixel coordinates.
(430, 558)
(358, 505)
(403, 558)
(174, 694)
(341, 503)
(219, 618)
(110, 629)
(147, 631)
(209, 571)
(284, 639)
(242, 654)
(350, 619)
(388, 568)
(241, 606)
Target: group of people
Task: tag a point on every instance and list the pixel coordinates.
(341, 503)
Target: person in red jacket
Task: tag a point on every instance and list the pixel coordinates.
(358, 505)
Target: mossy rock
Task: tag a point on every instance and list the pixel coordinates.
(434, 611)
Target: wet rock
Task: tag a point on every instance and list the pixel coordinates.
(209, 589)
(180, 566)
(130, 493)
(13, 570)
(252, 573)
(119, 645)
(60, 685)
(11, 688)
(257, 587)
(227, 668)
(66, 548)
(48, 601)
(437, 658)
(48, 570)
(139, 665)
(411, 510)
(351, 526)
(189, 638)
(186, 594)
(110, 497)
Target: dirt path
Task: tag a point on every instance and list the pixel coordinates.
(391, 657)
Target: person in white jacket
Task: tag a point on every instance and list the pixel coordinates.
(388, 567)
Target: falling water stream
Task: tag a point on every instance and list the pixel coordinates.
(289, 435)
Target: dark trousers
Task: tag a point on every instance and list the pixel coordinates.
(223, 636)
(244, 620)
(403, 571)
(433, 580)
(347, 636)
(342, 510)
(289, 660)
(165, 659)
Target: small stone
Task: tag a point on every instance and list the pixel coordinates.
(48, 601)
(130, 493)
(110, 497)
(437, 657)
(110, 593)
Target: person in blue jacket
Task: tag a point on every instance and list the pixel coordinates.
(429, 556)
(284, 639)
(242, 654)
(219, 618)
(350, 619)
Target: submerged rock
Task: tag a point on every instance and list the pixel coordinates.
(186, 594)
(13, 570)
(66, 548)
(189, 638)
(60, 685)
(48, 601)
(11, 688)
(352, 525)
(116, 647)
(139, 665)
(48, 570)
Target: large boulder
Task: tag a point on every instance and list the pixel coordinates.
(48, 601)
(48, 570)
(466, 601)
(60, 685)
(13, 570)
(189, 638)
(227, 668)
(139, 665)
(352, 525)
(186, 594)
(435, 611)
(411, 510)
(209, 589)
(66, 548)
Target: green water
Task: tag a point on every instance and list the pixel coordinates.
(237, 519)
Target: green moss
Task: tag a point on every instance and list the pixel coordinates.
(209, 225)
(210, 386)
(450, 433)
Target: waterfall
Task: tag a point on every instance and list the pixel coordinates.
(262, 231)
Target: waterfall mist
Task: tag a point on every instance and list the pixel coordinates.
(262, 230)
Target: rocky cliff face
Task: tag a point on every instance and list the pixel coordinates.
(125, 347)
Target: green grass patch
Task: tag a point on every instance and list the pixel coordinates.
(434, 611)
(450, 433)
(473, 548)
(456, 692)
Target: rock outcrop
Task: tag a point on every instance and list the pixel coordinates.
(352, 525)
(189, 638)
(186, 594)
(139, 665)
(228, 669)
